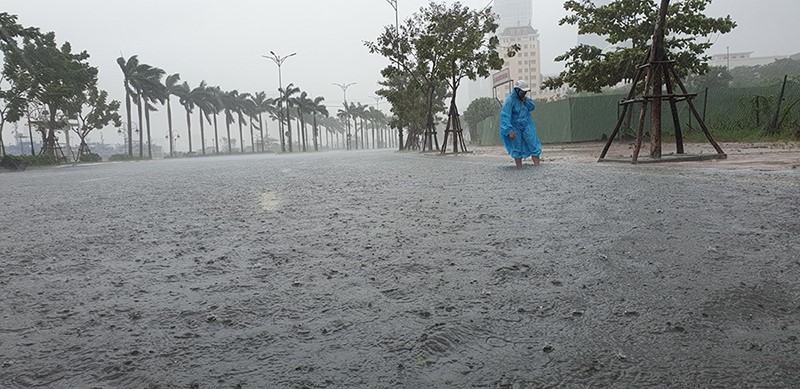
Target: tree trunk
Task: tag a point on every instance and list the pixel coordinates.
(189, 127)
(141, 130)
(261, 130)
(202, 133)
(169, 123)
(241, 135)
(149, 142)
(130, 122)
(289, 130)
(314, 133)
(216, 135)
(252, 138)
(228, 126)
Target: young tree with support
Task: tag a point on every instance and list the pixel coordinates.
(658, 71)
(94, 112)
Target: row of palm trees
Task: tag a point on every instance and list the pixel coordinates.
(144, 89)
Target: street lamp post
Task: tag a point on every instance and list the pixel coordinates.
(279, 61)
(393, 3)
(347, 122)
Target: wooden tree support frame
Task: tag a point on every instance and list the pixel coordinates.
(659, 72)
(430, 138)
(454, 128)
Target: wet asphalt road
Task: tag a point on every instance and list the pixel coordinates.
(379, 269)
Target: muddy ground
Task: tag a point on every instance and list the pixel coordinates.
(380, 269)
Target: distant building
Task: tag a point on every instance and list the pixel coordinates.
(735, 60)
(513, 13)
(526, 64)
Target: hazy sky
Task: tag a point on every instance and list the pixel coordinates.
(222, 41)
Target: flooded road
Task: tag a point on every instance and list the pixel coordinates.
(379, 269)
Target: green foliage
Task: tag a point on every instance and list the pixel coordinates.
(91, 157)
(770, 74)
(437, 47)
(37, 160)
(478, 110)
(631, 23)
(717, 77)
(120, 157)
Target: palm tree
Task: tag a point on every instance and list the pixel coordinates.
(169, 89)
(375, 117)
(303, 105)
(146, 82)
(286, 98)
(152, 93)
(205, 104)
(240, 101)
(229, 104)
(261, 104)
(344, 116)
(215, 106)
(317, 108)
(128, 69)
(184, 93)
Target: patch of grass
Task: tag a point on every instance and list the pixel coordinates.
(738, 135)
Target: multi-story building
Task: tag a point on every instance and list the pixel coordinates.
(526, 63)
(513, 13)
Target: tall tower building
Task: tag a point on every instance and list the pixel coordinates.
(513, 13)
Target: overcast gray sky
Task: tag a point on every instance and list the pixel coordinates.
(222, 41)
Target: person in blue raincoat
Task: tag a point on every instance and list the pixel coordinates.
(516, 126)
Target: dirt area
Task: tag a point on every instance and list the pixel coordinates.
(762, 156)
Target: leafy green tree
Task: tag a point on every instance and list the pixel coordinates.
(717, 77)
(763, 75)
(94, 112)
(441, 45)
(629, 25)
(13, 95)
(409, 102)
(477, 111)
(53, 75)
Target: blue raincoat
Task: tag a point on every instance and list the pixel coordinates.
(516, 116)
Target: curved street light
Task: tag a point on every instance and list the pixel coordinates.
(279, 61)
(347, 120)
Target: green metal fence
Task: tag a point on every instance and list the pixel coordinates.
(592, 118)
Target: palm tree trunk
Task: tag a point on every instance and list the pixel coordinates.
(216, 134)
(228, 126)
(314, 133)
(252, 139)
(261, 129)
(189, 127)
(149, 141)
(289, 130)
(130, 123)
(374, 144)
(169, 123)
(241, 135)
(141, 133)
(202, 133)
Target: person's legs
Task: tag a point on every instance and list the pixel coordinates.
(535, 159)
(518, 161)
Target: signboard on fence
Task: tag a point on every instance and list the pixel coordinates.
(500, 79)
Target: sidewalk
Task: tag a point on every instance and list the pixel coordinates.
(762, 156)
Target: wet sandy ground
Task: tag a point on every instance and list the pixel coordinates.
(380, 269)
